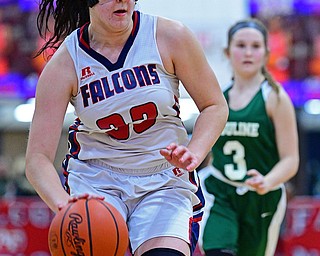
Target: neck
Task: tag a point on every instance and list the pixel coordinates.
(241, 82)
(101, 37)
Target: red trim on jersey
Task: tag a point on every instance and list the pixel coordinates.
(197, 207)
(192, 179)
(197, 219)
(81, 37)
(135, 22)
(190, 228)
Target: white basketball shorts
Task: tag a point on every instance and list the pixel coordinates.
(166, 203)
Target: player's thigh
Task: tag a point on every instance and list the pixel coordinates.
(163, 213)
(221, 229)
(259, 235)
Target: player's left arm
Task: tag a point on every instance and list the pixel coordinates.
(282, 113)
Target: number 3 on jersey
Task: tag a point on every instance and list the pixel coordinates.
(142, 116)
(236, 149)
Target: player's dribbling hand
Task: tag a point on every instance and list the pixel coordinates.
(180, 156)
(81, 196)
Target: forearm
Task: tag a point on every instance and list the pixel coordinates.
(283, 171)
(207, 129)
(44, 178)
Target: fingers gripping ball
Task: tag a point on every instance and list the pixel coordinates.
(88, 227)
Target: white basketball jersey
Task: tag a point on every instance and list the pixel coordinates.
(128, 110)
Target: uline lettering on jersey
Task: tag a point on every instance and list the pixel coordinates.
(241, 129)
(119, 82)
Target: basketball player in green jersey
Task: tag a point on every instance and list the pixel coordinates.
(256, 153)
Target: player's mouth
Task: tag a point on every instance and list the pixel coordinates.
(122, 11)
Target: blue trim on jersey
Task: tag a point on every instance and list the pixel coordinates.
(197, 212)
(66, 173)
(74, 145)
(74, 149)
(194, 179)
(194, 236)
(84, 44)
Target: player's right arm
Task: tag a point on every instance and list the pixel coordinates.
(57, 83)
(183, 56)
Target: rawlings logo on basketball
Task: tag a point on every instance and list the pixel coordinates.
(72, 234)
(88, 227)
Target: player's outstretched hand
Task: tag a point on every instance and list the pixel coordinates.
(180, 156)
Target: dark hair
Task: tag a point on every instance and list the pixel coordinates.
(67, 14)
(258, 25)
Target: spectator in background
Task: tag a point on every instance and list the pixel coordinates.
(39, 61)
(17, 45)
(5, 38)
(314, 64)
(301, 50)
(256, 153)
(279, 47)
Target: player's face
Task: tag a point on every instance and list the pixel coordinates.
(113, 14)
(247, 51)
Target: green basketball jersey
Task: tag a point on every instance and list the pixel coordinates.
(248, 139)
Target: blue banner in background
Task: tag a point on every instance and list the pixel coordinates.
(7, 2)
(303, 7)
(307, 7)
(25, 5)
(28, 5)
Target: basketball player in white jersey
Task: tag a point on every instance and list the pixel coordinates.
(121, 70)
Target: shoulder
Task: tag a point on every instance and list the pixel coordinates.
(174, 32)
(271, 95)
(60, 69)
(176, 43)
(61, 59)
(278, 101)
(170, 25)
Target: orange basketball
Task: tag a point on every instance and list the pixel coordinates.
(88, 227)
